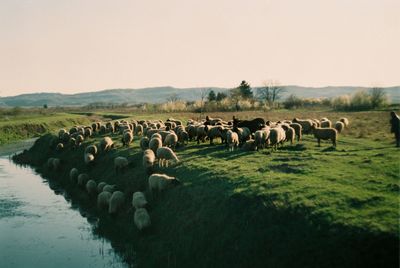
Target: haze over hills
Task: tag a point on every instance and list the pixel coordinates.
(161, 94)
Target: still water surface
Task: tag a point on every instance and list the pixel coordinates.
(39, 228)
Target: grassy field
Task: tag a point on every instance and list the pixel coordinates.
(302, 206)
(15, 128)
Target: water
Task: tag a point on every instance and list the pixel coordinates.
(39, 228)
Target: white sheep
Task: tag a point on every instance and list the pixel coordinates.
(120, 163)
(144, 143)
(261, 137)
(345, 121)
(88, 158)
(139, 200)
(106, 144)
(91, 149)
(141, 218)
(154, 144)
(326, 123)
(339, 126)
(148, 159)
(232, 139)
(91, 187)
(305, 125)
(160, 182)
(73, 175)
(165, 154)
(325, 134)
(103, 200)
(183, 137)
(82, 179)
(249, 145)
(54, 163)
(60, 147)
(298, 129)
(109, 188)
(127, 138)
(100, 186)
(171, 140)
(116, 201)
(277, 136)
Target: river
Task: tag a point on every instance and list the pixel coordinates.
(40, 228)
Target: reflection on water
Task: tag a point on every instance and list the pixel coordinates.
(40, 229)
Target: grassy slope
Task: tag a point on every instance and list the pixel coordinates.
(27, 126)
(302, 206)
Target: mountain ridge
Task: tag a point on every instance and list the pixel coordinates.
(162, 93)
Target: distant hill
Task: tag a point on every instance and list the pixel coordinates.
(161, 94)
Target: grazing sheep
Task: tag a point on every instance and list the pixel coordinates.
(277, 136)
(148, 159)
(106, 144)
(94, 127)
(127, 138)
(243, 133)
(144, 143)
(325, 134)
(164, 154)
(232, 139)
(91, 187)
(139, 130)
(53, 163)
(138, 200)
(249, 145)
(183, 137)
(72, 143)
(100, 186)
(261, 137)
(103, 129)
(192, 132)
(61, 132)
(326, 123)
(73, 175)
(116, 201)
(82, 179)
(91, 149)
(109, 188)
(78, 140)
(156, 135)
(103, 200)
(305, 125)
(201, 133)
(339, 126)
(214, 132)
(154, 144)
(120, 163)
(60, 147)
(297, 129)
(345, 121)
(171, 140)
(141, 219)
(88, 158)
(160, 182)
(290, 133)
(88, 132)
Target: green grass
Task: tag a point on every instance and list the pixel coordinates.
(302, 206)
(27, 126)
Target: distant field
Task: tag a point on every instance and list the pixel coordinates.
(14, 128)
(302, 206)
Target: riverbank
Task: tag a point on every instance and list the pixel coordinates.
(302, 206)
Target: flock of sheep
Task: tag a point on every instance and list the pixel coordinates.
(159, 139)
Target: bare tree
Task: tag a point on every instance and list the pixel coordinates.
(378, 97)
(271, 92)
(173, 97)
(203, 95)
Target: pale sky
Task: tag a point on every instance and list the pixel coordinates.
(73, 46)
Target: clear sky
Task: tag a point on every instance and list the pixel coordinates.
(86, 45)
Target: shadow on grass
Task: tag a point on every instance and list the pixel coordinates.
(207, 223)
